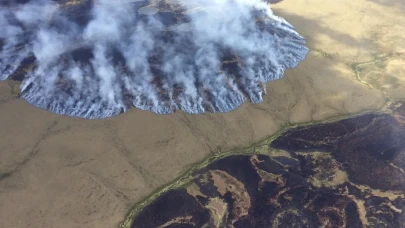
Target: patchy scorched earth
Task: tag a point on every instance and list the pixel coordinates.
(58, 171)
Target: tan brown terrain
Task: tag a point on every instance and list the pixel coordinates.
(58, 171)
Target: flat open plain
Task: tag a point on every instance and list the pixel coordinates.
(57, 171)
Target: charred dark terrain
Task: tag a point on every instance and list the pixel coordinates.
(347, 173)
(59, 171)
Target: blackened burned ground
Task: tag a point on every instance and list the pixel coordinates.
(371, 146)
(347, 173)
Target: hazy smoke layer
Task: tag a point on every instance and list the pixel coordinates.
(95, 60)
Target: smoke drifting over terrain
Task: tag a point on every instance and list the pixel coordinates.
(97, 59)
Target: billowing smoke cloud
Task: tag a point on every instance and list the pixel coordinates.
(95, 60)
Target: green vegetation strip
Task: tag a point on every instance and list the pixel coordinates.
(261, 147)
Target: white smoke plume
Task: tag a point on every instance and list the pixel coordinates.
(97, 59)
